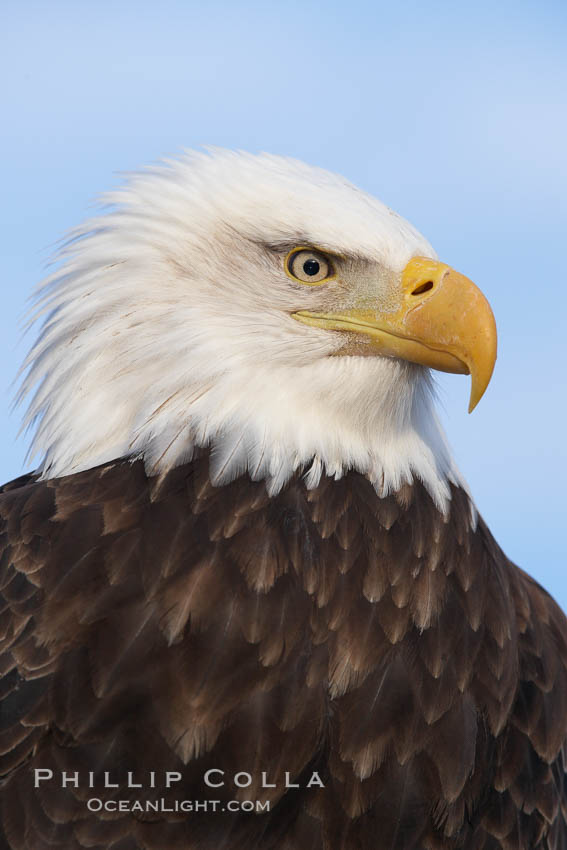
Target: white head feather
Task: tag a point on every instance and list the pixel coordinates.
(168, 326)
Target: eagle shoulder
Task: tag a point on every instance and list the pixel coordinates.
(173, 625)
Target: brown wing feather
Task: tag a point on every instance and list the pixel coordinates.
(170, 625)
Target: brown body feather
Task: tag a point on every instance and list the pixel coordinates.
(173, 626)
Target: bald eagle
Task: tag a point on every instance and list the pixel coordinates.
(247, 600)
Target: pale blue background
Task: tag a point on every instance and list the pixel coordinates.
(452, 113)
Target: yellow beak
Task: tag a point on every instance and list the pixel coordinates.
(441, 320)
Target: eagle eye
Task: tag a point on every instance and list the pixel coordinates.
(308, 266)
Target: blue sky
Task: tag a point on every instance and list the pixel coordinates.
(453, 114)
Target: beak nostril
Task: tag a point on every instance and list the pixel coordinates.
(423, 287)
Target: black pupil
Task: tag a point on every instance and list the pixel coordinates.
(311, 267)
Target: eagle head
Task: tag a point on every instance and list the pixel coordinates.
(262, 308)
